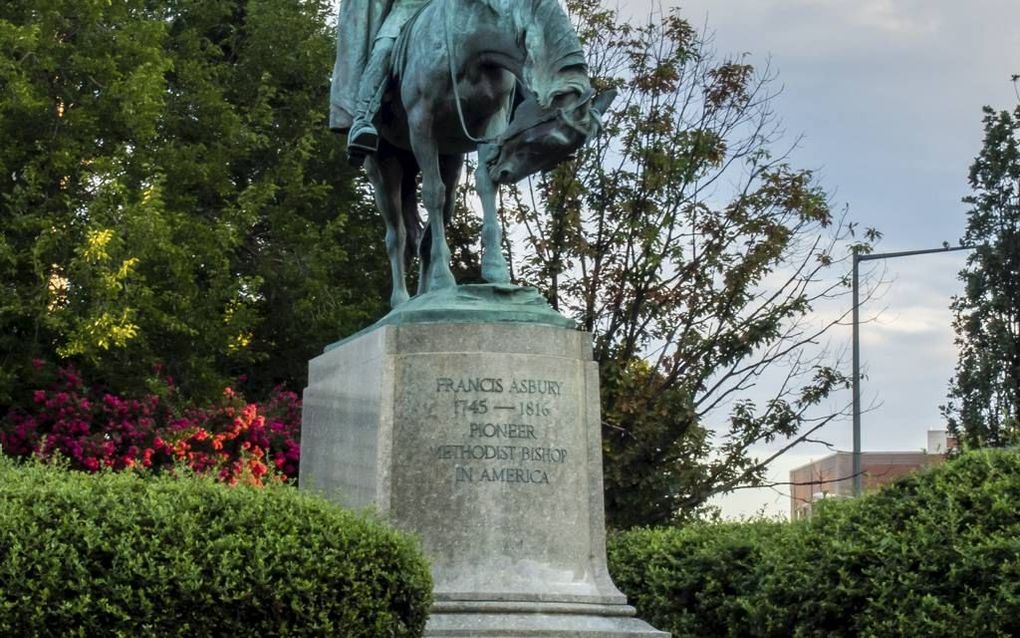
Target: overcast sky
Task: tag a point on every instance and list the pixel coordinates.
(888, 96)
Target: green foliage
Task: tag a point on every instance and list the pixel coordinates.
(694, 252)
(169, 192)
(696, 580)
(984, 406)
(116, 554)
(935, 554)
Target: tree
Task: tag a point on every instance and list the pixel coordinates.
(984, 394)
(695, 253)
(169, 192)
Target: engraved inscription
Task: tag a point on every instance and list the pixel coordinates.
(504, 427)
(503, 430)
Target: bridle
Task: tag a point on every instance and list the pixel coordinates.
(541, 115)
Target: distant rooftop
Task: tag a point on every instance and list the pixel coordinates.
(832, 475)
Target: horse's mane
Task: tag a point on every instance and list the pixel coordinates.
(562, 50)
(504, 7)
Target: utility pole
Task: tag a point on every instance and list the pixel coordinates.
(858, 257)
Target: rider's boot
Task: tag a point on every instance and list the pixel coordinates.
(363, 137)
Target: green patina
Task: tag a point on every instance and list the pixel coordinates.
(416, 85)
(473, 303)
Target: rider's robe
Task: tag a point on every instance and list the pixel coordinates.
(359, 23)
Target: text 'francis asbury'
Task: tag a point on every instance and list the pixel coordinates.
(497, 386)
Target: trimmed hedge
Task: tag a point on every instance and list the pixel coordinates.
(116, 554)
(696, 580)
(935, 554)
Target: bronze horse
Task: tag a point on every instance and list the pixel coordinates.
(457, 67)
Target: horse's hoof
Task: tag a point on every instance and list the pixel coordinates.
(495, 272)
(496, 278)
(440, 282)
(399, 299)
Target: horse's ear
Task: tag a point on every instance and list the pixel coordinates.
(603, 101)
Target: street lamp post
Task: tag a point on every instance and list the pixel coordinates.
(857, 259)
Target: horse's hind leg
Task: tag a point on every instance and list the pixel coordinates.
(384, 171)
(424, 250)
(419, 240)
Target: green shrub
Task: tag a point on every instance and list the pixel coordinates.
(116, 554)
(695, 580)
(935, 554)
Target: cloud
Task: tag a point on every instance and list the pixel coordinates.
(885, 15)
(767, 501)
(899, 18)
(888, 94)
(932, 321)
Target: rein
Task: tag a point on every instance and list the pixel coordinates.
(453, 81)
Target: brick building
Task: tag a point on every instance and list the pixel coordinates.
(832, 476)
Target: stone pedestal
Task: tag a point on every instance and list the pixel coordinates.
(484, 440)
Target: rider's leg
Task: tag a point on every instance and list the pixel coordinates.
(363, 138)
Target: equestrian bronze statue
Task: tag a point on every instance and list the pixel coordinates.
(419, 83)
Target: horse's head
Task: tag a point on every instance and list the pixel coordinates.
(539, 138)
(559, 114)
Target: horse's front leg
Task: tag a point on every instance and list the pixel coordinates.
(433, 192)
(494, 267)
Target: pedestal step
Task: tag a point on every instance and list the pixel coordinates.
(494, 619)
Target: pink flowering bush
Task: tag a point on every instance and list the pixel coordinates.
(233, 439)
